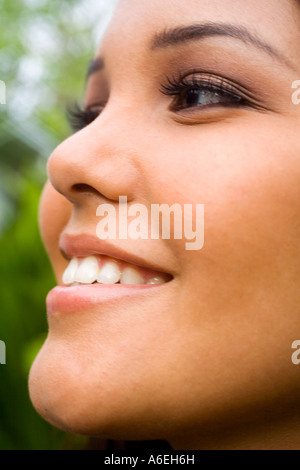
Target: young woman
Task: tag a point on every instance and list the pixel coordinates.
(187, 104)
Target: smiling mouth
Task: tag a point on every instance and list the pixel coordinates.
(100, 269)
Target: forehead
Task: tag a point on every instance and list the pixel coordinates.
(136, 21)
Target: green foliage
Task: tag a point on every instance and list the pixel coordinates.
(45, 47)
(25, 279)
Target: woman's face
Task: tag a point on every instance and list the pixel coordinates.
(188, 116)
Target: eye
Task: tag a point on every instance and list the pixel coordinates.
(202, 92)
(79, 118)
(202, 97)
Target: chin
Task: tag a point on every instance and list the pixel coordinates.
(56, 394)
(87, 402)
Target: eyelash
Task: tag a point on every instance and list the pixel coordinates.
(79, 118)
(217, 86)
(226, 94)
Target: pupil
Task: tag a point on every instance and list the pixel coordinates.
(201, 97)
(193, 98)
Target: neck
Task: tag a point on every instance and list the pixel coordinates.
(267, 434)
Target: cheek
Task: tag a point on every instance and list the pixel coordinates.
(247, 276)
(54, 214)
(246, 176)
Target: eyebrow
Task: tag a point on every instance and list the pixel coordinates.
(94, 66)
(181, 35)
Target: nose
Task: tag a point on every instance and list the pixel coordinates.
(99, 160)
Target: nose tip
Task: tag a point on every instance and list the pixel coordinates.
(87, 164)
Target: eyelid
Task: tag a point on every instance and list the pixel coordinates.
(96, 105)
(195, 77)
(208, 116)
(212, 82)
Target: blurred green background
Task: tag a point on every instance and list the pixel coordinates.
(45, 48)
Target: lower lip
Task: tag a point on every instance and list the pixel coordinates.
(76, 298)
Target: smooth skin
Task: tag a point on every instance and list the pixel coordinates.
(205, 362)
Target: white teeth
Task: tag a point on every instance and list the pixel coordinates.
(131, 276)
(88, 270)
(69, 274)
(156, 280)
(109, 274)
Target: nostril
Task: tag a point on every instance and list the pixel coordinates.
(84, 188)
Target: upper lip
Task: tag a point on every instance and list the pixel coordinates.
(84, 245)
